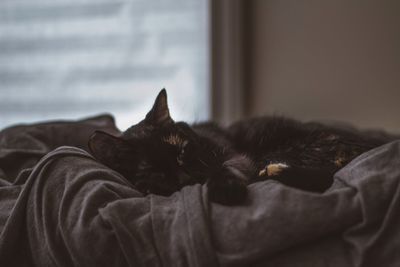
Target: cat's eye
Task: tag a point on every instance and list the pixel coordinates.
(179, 159)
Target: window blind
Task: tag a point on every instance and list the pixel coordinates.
(67, 58)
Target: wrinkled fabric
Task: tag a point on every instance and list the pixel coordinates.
(60, 207)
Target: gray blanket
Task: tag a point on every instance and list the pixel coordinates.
(59, 207)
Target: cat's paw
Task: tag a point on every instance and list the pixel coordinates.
(154, 184)
(273, 169)
(227, 191)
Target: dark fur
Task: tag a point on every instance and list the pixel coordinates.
(161, 156)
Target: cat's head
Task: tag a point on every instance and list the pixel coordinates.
(157, 155)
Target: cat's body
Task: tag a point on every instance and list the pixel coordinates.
(161, 156)
(312, 152)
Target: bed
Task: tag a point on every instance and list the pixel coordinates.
(60, 207)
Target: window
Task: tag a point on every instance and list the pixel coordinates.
(67, 59)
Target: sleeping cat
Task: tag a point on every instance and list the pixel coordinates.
(160, 156)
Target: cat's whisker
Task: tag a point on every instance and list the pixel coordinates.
(202, 162)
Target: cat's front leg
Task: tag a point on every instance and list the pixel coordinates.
(227, 188)
(315, 179)
(228, 185)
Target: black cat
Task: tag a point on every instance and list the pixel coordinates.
(161, 156)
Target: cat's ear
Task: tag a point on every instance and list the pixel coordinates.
(108, 149)
(159, 114)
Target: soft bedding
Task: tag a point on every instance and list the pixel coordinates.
(60, 207)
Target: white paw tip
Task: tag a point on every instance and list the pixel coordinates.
(273, 169)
